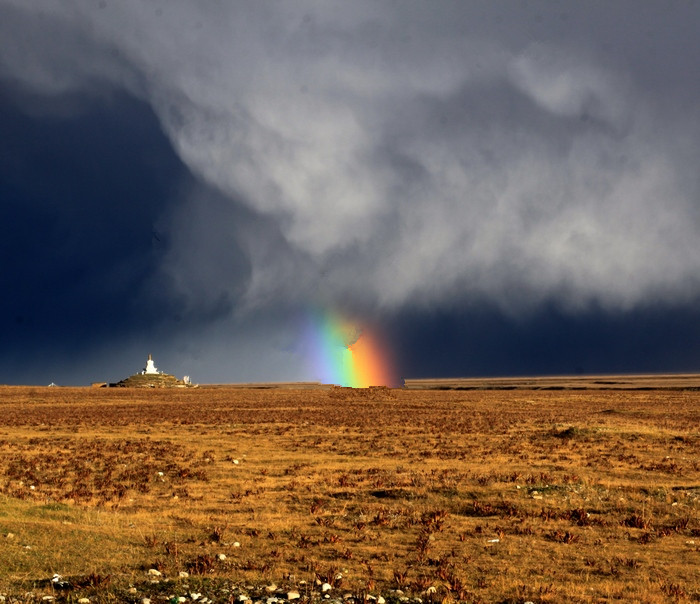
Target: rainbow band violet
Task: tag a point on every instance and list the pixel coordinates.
(344, 355)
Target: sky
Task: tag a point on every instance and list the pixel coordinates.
(495, 187)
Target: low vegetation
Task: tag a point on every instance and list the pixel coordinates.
(518, 495)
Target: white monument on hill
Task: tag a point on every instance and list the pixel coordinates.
(150, 367)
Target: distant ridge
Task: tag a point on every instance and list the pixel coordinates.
(270, 385)
(684, 381)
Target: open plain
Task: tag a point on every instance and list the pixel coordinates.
(492, 491)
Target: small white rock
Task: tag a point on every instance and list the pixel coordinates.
(243, 598)
(381, 600)
(236, 544)
(84, 601)
(293, 595)
(183, 574)
(182, 599)
(146, 601)
(195, 596)
(48, 598)
(493, 541)
(236, 462)
(270, 588)
(326, 587)
(153, 572)
(221, 557)
(132, 590)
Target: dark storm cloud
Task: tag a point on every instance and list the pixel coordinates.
(477, 145)
(480, 341)
(76, 230)
(394, 158)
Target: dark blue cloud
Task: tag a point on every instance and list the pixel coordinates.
(81, 196)
(472, 342)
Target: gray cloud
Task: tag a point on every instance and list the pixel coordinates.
(411, 153)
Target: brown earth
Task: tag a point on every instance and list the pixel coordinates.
(524, 492)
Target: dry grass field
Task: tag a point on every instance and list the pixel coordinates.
(442, 492)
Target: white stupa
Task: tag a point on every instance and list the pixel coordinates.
(150, 367)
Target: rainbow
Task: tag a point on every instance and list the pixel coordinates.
(344, 354)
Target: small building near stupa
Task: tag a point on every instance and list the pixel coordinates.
(150, 377)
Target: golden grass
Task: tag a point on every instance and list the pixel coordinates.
(491, 495)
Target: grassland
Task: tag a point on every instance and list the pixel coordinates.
(443, 493)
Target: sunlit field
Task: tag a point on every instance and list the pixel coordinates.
(490, 491)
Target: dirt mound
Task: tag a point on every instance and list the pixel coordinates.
(146, 380)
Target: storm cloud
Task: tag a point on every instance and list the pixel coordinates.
(392, 158)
